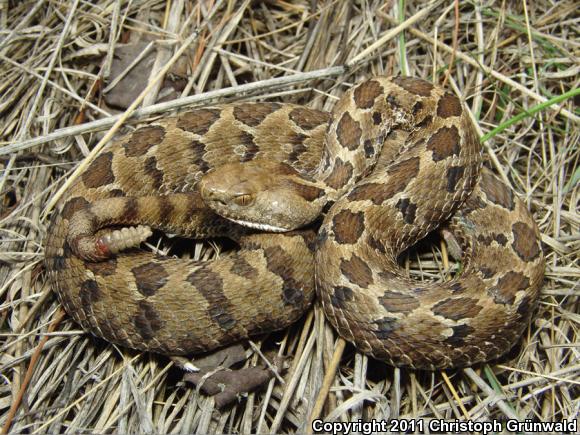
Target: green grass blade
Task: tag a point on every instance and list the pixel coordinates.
(530, 112)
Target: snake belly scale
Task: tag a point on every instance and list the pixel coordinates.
(395, 159)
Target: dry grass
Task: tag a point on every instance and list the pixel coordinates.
(508, 59)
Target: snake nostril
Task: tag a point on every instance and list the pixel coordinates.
(206, 193)
(211, 196)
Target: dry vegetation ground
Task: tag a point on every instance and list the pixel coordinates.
(508, 60)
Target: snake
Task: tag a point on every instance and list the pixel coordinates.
(321, 206)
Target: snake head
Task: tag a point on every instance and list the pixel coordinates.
(262, 194)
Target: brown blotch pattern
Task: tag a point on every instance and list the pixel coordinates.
(253, 114)
(457, 288)
(149, 278)
(340, 175)
(473, 203)
(400, 175)
(417, 107)
(251, 148)
(130, 210)
(67, 251)
(384, 327)
(73, 205)
(487, 272)
(348, 132)
(454, 175)
(210, 285)
(427, 119)
(376, 244)
(348, 226)
(395, 302)
(408, 209)
(292, 294)
(166, 209)
(449, 105)
(150, 169)
(357, 271)
(100, 172)
(444, 143)
(198, 121)
(280, 263)
(460, 332)
(207, 282)
(297, 150)
(198, 154)
(142, 139)
(365, 94)
(407, 169)
(241, 267)
(369, 148)
(283, 169)
(341, 296)
(116, 193)
(308, 119)
(102, 268)
(58, 262)
(456, 309)
(499, 238)
(525, 309)
(147, 320)
(222, 316)
(375, 192)
(297, 140)
(392, 100)
(89, 293)
(496, 192)
(507, 287)
(525, 242)
(415, 86)
(310, 238)
(309, 193)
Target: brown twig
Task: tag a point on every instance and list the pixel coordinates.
(326, 383)
(59, 315)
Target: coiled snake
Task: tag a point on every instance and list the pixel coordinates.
(394, 159)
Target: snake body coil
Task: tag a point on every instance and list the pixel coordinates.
(395, 159)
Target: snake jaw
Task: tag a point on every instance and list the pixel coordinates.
(262, 227)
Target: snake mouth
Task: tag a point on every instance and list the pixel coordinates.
(262, 227)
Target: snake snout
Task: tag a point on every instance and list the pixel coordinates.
(214, 198)
(211, 196)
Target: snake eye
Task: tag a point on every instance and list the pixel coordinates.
(244, 199)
